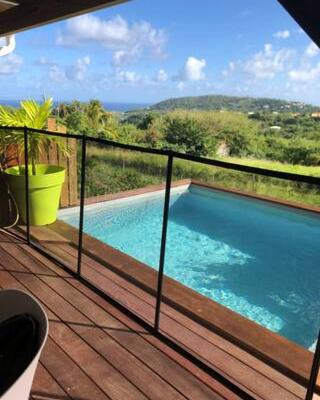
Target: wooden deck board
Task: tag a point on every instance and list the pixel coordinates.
(91, 352)
(111, 333)
(263, 381)
(271, 348)
(197, 329)
(183, 380)
(44, 383)
(241, 368)
(228, 365)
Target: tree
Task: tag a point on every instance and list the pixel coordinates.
(100, 122)
(76, 122)
(148, 120)
(188, 135)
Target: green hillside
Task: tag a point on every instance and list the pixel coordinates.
(233, 103)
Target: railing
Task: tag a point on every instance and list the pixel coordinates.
(171, 156)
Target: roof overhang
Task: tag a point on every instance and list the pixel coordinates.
(26, 14)
(5, 5)
(307, 15)
(18, 15)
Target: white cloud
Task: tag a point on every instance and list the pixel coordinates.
(126, 41)
(44, 61)
(10, 64)
(231, 68)
(122, 57)
(132, 77)
(128, 77)
(63, 74)
(193, 69)
(112, 33)
(268, 62)
(215, 85)
(282, 34)
(181, 85)
(307, 74)
(56, 74)
(162, 76)
(78, 70)
(312, 50)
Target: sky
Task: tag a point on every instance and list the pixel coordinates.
(145, 51)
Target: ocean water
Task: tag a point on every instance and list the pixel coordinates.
(258, 259)
(116, 107)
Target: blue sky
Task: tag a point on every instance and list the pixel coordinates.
(147, 50)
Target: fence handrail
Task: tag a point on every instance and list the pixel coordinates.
(309, 179)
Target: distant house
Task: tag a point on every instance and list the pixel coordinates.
(315, 114)
(223, 149)
(275, 128)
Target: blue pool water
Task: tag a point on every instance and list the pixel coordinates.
(259, 259)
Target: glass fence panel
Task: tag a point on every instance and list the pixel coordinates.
(297, 192)
(242, 273)
(241, 277)
(124, 198)
(53, 193)
(12, 161)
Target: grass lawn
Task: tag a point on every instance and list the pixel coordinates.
(274, 165)
(110, 171)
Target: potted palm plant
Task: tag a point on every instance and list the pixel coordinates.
(45, 181)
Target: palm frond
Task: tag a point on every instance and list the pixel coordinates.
(32, 115)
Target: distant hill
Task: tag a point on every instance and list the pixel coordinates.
(233, 103)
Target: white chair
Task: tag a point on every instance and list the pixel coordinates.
(13, 302)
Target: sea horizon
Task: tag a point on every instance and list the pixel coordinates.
(110, 106)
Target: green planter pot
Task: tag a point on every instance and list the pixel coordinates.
(44, 192)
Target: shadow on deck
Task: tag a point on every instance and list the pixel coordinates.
(94, 338)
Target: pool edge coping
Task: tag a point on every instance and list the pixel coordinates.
(255, 196)
(91, 201)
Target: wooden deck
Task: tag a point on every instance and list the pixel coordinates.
(95, 351)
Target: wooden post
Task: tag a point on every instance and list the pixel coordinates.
(63, 161)
(12, 156)
(69, 194)
(73, 173)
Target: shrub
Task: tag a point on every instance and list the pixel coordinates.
(188, 135)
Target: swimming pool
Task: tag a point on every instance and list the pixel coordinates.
(257, 258)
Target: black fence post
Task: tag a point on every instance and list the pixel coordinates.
(82, 196)
(314, 371)
(26, 173)
(163, 241)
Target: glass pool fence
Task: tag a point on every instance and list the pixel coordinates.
(194, 221)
